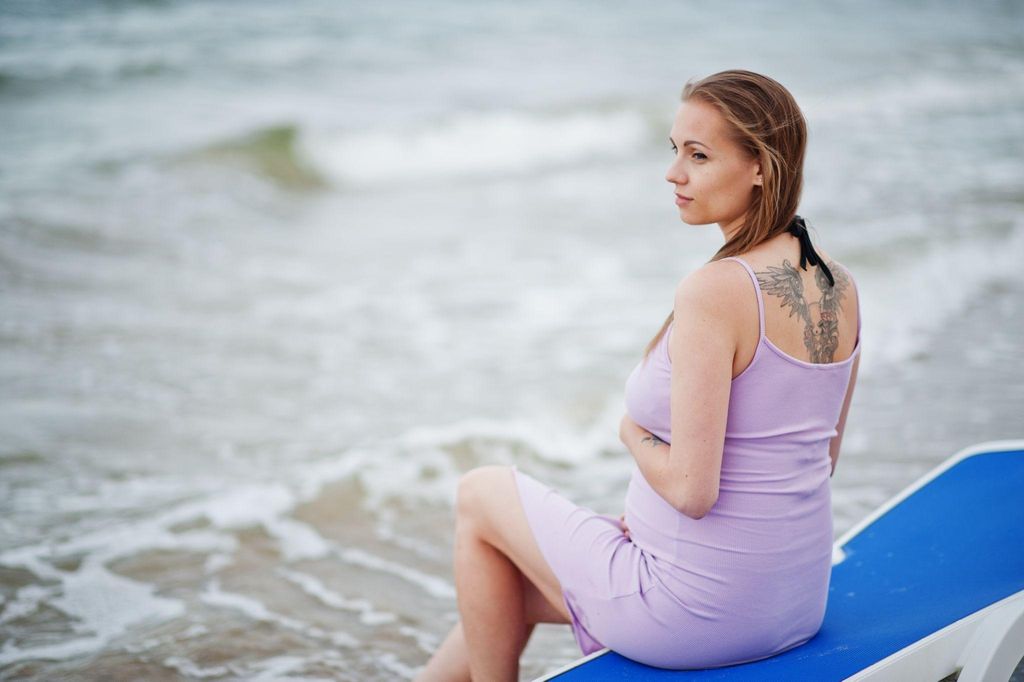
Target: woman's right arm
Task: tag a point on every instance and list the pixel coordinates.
(833, 448)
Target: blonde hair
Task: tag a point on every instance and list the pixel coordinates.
(762, 117)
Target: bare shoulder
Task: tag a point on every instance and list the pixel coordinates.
(713, 280)
(714, 288)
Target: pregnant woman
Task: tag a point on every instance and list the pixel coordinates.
(735, 414)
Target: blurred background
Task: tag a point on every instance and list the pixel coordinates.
(274, 275)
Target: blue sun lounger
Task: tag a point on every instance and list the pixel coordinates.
(929, 584)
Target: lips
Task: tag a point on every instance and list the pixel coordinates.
(683, 196)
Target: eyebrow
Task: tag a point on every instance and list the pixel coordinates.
(691, 142)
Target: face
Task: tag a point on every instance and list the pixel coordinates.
(713, 174)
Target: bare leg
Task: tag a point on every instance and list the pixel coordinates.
(451, 661)
(490, 596)
(498, 603)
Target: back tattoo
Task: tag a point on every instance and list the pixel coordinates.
(821, 339)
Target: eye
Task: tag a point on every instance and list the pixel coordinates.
(702, 155)
(675, 150)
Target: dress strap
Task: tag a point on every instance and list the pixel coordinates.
(757, 292)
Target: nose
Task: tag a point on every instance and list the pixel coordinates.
(675, 173)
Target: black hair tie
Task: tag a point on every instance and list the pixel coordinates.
(807, 253)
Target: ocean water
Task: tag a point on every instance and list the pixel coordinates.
(273, 276)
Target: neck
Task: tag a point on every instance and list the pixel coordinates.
(730, 229)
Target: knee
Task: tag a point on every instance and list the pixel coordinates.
(476, 487)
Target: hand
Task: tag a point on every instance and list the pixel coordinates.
(625, 528)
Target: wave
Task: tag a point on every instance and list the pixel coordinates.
(485, 144)
(271, 152)
(459, 147)
(897, 98)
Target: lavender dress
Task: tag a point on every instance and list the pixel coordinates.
(746, 581)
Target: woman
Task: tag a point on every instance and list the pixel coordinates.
(734, 420)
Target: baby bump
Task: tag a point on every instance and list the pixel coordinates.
(653, 523)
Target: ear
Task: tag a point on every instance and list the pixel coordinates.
(758, 178)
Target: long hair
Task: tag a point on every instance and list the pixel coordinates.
(764, 119)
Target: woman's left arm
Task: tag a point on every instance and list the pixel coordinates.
(686, 473)
(651, 454)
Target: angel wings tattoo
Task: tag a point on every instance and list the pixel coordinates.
(822, 338)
